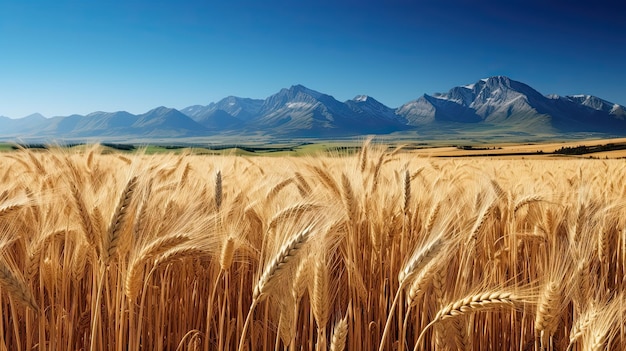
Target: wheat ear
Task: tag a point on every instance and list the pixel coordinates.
(7, 210)
(321, 285)
(471, 304)
(420, 283)
(546, 311)
(430, 222)
(363, 155)
(407, 191)
(113, 239)
(340, 335)
(417, 262)
(13, 282)
(285, 255)
(36, 248)
(178, 253)
(420, 258)
(290, 212)
(582, 324)
(303, 187)
(218, 189)
(327, 180)
(526, 201)
(348, 197)
(277, 189)
(298, 286)
(85, 217)
(227, 254)
(133, 280)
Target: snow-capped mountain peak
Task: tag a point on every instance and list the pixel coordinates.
(301, 89)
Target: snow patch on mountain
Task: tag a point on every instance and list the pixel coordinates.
(299, 105)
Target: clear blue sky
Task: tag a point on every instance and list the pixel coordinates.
(63, 57)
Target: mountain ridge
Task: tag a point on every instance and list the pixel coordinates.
(299, 112)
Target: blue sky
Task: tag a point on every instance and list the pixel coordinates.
(63, 57)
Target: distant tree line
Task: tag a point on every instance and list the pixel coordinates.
(583, 149)
(469, 147)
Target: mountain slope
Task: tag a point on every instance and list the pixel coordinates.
(167, 122)
(159, 122)
(242, 109)
(23, 126)
(219, 120)
(368, 107)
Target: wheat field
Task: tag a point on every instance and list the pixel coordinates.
(379, 250)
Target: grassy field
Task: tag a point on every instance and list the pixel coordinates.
(280, 150)
(592, 148)
(357, 249)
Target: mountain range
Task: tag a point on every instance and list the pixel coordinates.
(495, 103)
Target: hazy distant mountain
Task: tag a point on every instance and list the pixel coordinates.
(22, 125)
(497, 103)
(166, 122)
(160, 122)
(102, 123)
